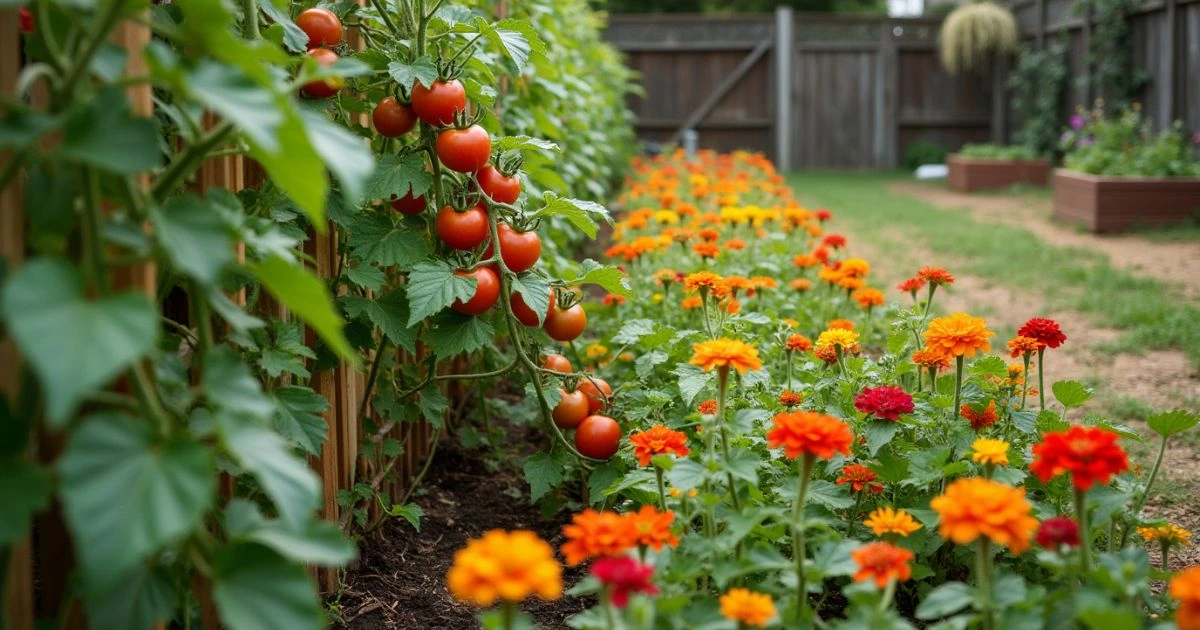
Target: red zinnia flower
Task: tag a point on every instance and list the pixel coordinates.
(708, 407)
(1090, 454)
(823, 215)
(834, 241)
(623, 576)
(936, 276)
(1046, 331)
(1058, 531)
(860, 478)
(912, 285)
(886, 402)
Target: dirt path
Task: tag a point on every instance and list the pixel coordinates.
(1162, 379)
(1174, 262)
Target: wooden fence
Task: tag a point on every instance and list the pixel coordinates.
(38, 571)
(836, 91)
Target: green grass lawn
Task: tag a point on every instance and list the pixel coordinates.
(1152, 314)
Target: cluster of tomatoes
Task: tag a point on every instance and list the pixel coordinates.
(596, 436)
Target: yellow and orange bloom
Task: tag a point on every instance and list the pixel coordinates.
(837, 338)
(798, 343)
(658, 440)
(746, 607)
(651, 528)
(725, 353)
(958, 335)
(989, 451)
(707, 407)
(931, 358)
(1165, 534)
(886, 521)
(504, 566)
(592, 534)
(809, 433)
(975, 507)
(1185, 588)
(881, 563)
(868, 297)
(790, 398)
(1023, 346)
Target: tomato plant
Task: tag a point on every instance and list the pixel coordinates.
(571, 409)
(524, 313)
(598, 437)
(558, 363)
(326, 87)
(464, 150)
(487, 289)
(410, 204)
(392, 118)
(520, 250)
(466, 229)
(565, 324)
(497, 185)
(597, 391)
(440, 103)
(323, 28)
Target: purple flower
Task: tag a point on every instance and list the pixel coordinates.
(1077, 122)
(1064, 137)
(1196, 138)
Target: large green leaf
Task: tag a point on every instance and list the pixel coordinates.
(292, 485)
(228, 383)
(257, 589)
(143, 596)
(379, 238)
(455, 333)
(542, 472)
(581, 214)
(320, 542)
(24, 490)
(296, 168)
(308, 298)
(299, 419)
(126, 496)
(239, 100)
(75, 345)
(399, 175)
(947, 598)
(194, 238)
(407, 74)
(1169, 423)
(433, 286)
(104, 135)
(347, 155)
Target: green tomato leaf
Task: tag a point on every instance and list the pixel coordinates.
(1071, 393)
(433, 286)
(523, 143)
(608, 278)
(296, 168)
(367, 276)
(24, 491)
(581, 214)
(320, 542)
(299, 418)
(399, 175)
(126, 496)
(193, 237)
(240, 100)
(433, 405)
(104, 134)
(228, 383)
(454, 333)
(287, 479)
(389, 312)
(308, 297)
(410, 512)
(535, 292)
(294, 38)
(255, 588)
(378, 238)
(140, 598)
(945, 599)
(1169, 423)
(542, 472)
(347, 156)
(422, 70)
(75, 345)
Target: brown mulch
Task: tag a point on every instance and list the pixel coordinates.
(400, 580)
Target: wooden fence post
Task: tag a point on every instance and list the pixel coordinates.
(784, 57)
(887, 98)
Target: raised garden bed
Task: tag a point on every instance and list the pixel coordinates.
(1111, 204)
(968, 174)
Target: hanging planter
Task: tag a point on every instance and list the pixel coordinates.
(974, 34)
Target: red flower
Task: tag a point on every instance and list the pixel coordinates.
(1090, 454)
(1046, 331)
(1058, 531)
(622, 576)
(936, 276)
(860, 478)
(912, 285)
(823, 215)
(981, 418)
(886, 402)
(834, 241)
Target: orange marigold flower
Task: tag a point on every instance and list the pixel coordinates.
(959, 334)
(658, 440)
(733, 284)
(592, 534)
(805, 260)
(709, 234)
(842, 324)
(800, 284)
(790, 398)
(691, 303)
(747, 607)
(885, 520)
(798, 343)
(1185, 587)
(912, 285)
(1165, 533)
(763, 282)
(708, 407)
(735, 244)
(855, 267)
(652, 528)
(666, 276)
(725, 353)
(868, 297)
(860, 478)
(706, 249)
(1046, 331)
(936, 276)
(733, 306)
(508, 566)
(980, 418)
(931, 358)
(612, 299)
(810, 434)
(989, 451)
(702, 281)
(976, 507)
(837, 338)
(882, 562)
(828, 354)
(1020, 346)
(1090, 454)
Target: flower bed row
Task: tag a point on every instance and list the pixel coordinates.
(801, 453)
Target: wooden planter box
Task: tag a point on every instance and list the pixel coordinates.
(1111, 204)
(971, 174)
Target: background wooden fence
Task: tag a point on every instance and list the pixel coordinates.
(837, 91)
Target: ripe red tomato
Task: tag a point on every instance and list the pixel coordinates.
(487, 290)
(327, 87)
(392, 118)
(597, 391)
(571, 409)
(438, 105)
(464, 150)
(565, 325)
(520, 250)
(462, 230)
(597, 437)
(408, 204)
(523, 312)
(495, 185)
(322, 27)
(558, 363)
(25, 20)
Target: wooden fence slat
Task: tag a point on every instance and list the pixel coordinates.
(722, 89)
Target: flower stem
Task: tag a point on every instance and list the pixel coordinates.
(1041, 382)
(662, 495)
(722, 389)
(806, 467)
(958, 374)
(984, 578)
(1085, 549)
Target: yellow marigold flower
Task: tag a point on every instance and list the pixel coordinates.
(508, 566)
(850, 283)
(959, 334)
(868, 297)
(837, 338)
(726, 353)
(931, 358)
(657, 298)
(840, 323)
(703, 281)
(1020, 346)
(596, 351)
(990, 451)
(747, 607)
(885, 520)
(1166, 533)
(855, 267)
(789, 322)
(666, 217)
(976, 507)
